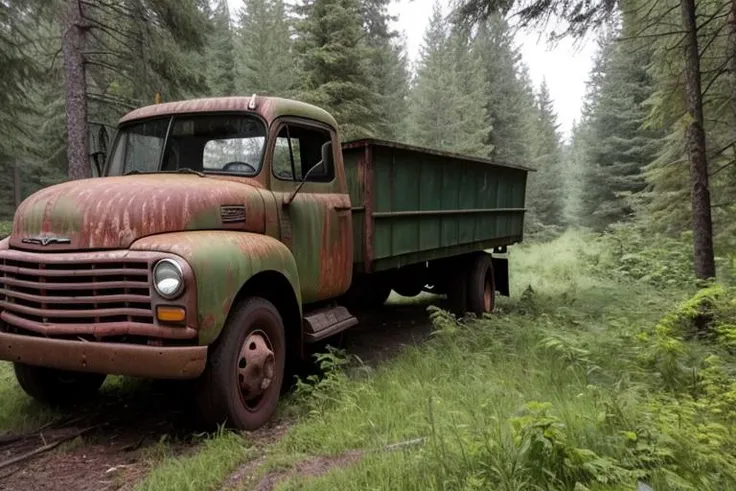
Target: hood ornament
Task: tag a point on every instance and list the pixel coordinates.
(45, 240)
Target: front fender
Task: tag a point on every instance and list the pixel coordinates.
(222, 262)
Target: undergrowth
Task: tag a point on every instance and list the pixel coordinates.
(597, 374)
(5, 228)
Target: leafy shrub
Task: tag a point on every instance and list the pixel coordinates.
(5, 228)
(317, 392)
(630, 253)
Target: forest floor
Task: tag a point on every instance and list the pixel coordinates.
(585, 378)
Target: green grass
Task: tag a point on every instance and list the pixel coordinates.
(5, 228)
(18, 412)
(204, 470)
(555, 391)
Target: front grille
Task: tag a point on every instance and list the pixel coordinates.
(72, 293)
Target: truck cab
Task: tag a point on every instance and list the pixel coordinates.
(216, 221)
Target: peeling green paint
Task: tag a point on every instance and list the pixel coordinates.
(222, 263)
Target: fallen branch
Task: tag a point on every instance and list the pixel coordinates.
(54, 425)
(44, 448)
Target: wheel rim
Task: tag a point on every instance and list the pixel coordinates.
(488, 295)
(255, 369)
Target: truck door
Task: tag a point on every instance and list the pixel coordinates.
(316, 224)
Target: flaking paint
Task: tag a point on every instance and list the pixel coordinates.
(112, 212)
(222, 262)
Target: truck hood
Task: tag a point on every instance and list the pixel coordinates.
(113, 212)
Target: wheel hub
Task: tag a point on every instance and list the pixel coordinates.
(255, 365)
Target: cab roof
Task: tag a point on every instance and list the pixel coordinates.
(269, 108)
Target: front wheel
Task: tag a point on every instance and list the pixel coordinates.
(242, 381)
(52, 386)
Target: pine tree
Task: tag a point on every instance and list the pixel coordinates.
(265, 57)
(508, 99)
(388, 69)
(619, 144)
(545, 190)
(473, 125)
(444, 109)
(334, 59)
(220, 52)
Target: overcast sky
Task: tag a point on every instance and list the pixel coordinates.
(564, 66)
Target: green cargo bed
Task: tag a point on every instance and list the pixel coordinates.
(413, 204)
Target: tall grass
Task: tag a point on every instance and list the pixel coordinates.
(556, 391)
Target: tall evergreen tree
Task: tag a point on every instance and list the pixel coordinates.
(220, 52)
(444, 111)
(388, 68)
(265, 57)
(619, 145)
(334, 58)
(546, 199)
(508, 100)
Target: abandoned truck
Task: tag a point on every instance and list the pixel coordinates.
(226, 235)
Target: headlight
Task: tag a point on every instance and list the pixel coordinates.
(168, 279)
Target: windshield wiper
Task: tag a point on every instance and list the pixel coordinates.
(181, 170)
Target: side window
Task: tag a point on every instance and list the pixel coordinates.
(298, 149)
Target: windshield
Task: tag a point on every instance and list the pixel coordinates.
(220, 144)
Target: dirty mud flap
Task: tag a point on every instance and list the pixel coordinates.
(324, 323)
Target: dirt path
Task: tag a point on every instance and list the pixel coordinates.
(123, 426)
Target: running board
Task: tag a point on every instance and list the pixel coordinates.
(324, 323)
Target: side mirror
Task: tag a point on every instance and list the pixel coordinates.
(327, 157)
(325, 163)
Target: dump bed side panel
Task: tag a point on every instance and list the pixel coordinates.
(425, 205)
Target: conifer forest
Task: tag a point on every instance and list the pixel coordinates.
(610, 366)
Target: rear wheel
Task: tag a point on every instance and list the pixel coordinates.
(481, 287)
(52, 386)
(457, 287)
(242, 381)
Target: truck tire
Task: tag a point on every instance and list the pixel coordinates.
(241, 384)
(457, 287)
(52, 386)
(481, 286)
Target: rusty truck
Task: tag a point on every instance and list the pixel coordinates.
(222, 237)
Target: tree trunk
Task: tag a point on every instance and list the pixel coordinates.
(72, 47)
(16, 184)
(700, 194)
(731, 54)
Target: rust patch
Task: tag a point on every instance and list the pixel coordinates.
(112, 212)
(368, 176)
(269, 108)
(111, 358)
(336, 255)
